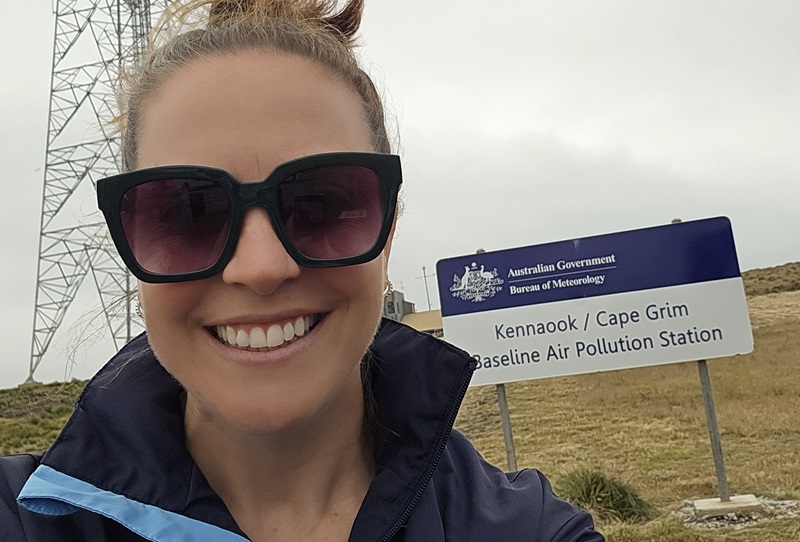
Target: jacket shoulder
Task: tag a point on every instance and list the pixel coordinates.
(14, 472)
(17, 524)
(481, 501)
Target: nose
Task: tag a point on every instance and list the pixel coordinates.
(259, 260)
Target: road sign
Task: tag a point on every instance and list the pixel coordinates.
(643, 297)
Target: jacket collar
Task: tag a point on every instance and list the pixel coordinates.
(126, 437)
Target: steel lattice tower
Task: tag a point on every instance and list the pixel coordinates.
(92, 39)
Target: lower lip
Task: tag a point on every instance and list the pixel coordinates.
(278, 355)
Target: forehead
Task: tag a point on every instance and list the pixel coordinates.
(248, 112)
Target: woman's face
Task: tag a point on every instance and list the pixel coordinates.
(247, 113)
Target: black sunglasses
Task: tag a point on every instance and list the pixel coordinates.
(181, 223)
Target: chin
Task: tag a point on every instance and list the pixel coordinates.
(271, 410)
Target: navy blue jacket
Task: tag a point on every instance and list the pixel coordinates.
(120, 471)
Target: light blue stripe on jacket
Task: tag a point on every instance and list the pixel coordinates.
(51, 492)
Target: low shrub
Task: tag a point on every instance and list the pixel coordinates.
(607, 498)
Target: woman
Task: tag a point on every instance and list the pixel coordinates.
(267, 401)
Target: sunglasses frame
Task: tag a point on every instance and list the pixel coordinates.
(243, 195)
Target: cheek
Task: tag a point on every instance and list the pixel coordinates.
(167, 301)
(361, 284)
(168, 310)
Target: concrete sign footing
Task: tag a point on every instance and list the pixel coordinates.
(717, 507)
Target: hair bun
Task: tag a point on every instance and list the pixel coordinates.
(344, 23)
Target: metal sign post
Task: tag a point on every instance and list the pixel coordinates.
(508, 437)
(713, 432)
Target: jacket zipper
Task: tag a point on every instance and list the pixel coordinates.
(440, 446)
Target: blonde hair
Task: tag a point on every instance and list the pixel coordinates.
(190, 30)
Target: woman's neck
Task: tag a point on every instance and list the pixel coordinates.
(306, 483)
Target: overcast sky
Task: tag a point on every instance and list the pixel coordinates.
(521, 122)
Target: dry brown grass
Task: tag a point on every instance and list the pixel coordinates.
(647, 426)
(772, 280)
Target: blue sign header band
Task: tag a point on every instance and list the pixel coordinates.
(657, 257)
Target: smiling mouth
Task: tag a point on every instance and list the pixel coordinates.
(263, 338)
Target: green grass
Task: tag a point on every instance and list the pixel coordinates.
(32, 415)
(608, 498)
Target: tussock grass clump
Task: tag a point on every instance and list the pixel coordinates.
(606, 497)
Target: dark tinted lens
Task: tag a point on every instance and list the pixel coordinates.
(333, 212)
(177, 225)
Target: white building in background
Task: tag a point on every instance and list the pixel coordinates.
(396, 308)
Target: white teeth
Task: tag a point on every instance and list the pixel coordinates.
(258, 339)
(274, 336)
(300, 326)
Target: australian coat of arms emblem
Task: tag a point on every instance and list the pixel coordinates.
(476, 284)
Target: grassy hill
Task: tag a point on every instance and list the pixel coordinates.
(772, 280)
(644, 426)
(31, 416)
